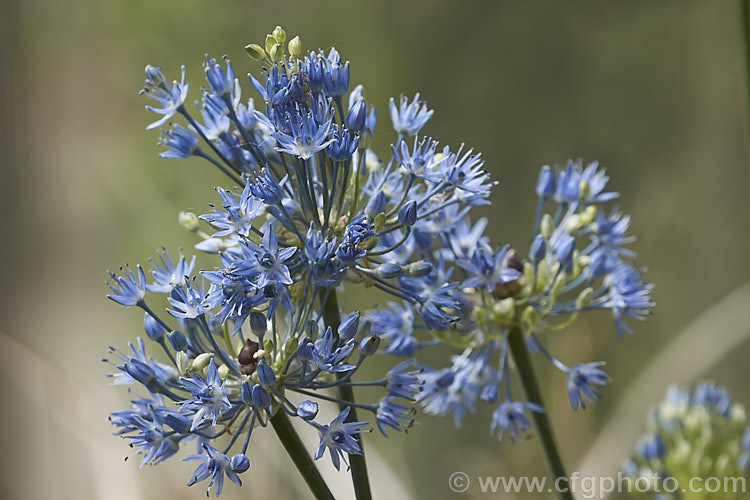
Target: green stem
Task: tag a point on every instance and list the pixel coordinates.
(360, 479)
(745, 19)
(298, 453)
(534, 395)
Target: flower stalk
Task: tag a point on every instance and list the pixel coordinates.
(533, 394)
(360, 478)
(297, 452)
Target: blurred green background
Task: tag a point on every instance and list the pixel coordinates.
(654, 90)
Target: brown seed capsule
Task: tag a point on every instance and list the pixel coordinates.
(246, 358)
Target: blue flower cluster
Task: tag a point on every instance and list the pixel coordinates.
(312, 209)
(694, 440)
(476, 294)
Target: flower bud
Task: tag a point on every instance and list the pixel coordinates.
(270, 42)
(178, 341)
(265, 373)
(546, 226)
(295, 47)
(279, 34)
(369, 345)
(538, 248)
(349, 326)
(178, 422)
(355, 119)
(407, 215)
(260, 397)
(155, 77)
(545, 184)
(246, 392)
(240, 463)
(255, 51)
(189, 221)
(418, 269)
(276, 52)
(201, 361)
(305, 350)
(376, 205)
(258, 323)
(183, 362)
(388, 270)
(307, 410)
(223, 371)
(153, 328)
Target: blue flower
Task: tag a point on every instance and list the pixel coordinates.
(403, 384)
(168, 275)
(180, 143)
(221, 83)
(394, 326)
(170, 98)
(339, 438)
(144, 427)
(191, 301)
(238, 212)
(357, 232)
(126, 290)
(266, 264)
(487, 269)
(215, 465)
(390, 414)
(627, 296)
(511, 416)
(420, 159)
(409, 118)
(210, 398)
(581, 381)
(330, 357)
(307, 137)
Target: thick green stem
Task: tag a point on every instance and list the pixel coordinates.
(298, 453)
(358, 464)
(534, 395)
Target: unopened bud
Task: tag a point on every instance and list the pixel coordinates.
(279, 34)
(201, 361)
(369, 345)
(418, 269)
(295, 47)
(255, 51)
(189, 221)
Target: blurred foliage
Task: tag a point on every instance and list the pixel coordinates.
(654, 90)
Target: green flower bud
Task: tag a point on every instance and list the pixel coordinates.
(277, 52)
(295, 47)
(279, 34)
(189, 221)
(290, 347)
(201, 361)
(183, 362)
(223, 371)
(255, 51)
(270, 42)
(268, 345)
